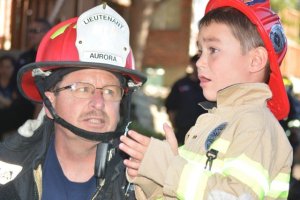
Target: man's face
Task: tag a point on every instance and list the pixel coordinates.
(36, 32)
(92, 114)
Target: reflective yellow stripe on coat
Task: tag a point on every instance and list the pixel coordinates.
(279, 187)
(194, 177)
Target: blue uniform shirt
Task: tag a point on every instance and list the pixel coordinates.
(57, 186)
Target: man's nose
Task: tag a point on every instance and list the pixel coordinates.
(97, 99)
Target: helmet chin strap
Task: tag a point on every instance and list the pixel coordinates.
(94, 136)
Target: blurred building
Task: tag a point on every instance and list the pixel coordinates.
(291, 20)
(167, 41)
(291, 63)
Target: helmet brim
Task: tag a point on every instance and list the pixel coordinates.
(29, 90)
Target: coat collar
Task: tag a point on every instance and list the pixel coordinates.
(240, 94)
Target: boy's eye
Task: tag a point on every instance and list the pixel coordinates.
(199, 52)
(212, 50)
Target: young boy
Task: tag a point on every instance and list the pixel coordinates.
(237, 150)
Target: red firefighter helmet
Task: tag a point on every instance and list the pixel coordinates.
(271, 31)
(98, 38)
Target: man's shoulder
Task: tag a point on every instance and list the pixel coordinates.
(18, 148)
(27, 53)
(27, 57)
(9, 191)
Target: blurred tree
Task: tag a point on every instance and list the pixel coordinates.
(141, 12)
(279, 5)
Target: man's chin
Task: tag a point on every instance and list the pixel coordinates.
(98, 130)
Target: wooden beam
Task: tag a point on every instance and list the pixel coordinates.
(57, 7)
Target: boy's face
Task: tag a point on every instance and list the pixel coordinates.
(222, 62)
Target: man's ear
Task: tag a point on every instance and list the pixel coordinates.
(51, 97)
(259, 59)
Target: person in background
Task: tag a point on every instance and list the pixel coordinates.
(237, 150)
(84, 74)
(13, 108)
(8, 93)
(182, 103)
(35, 32)
(290, 124)
(8, 89)
(292, 129)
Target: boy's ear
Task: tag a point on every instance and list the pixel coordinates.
(259, 59)
(51, 98)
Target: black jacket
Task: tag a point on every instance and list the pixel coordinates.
(29, 153)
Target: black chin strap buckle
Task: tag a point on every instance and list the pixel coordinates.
(127, 128)
(103, 155)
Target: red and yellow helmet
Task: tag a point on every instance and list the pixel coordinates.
(98, 38)
(271, 31)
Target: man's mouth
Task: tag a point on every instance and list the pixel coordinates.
(95, 121)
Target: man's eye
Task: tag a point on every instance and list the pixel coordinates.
(108, 92)
(84, 89)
